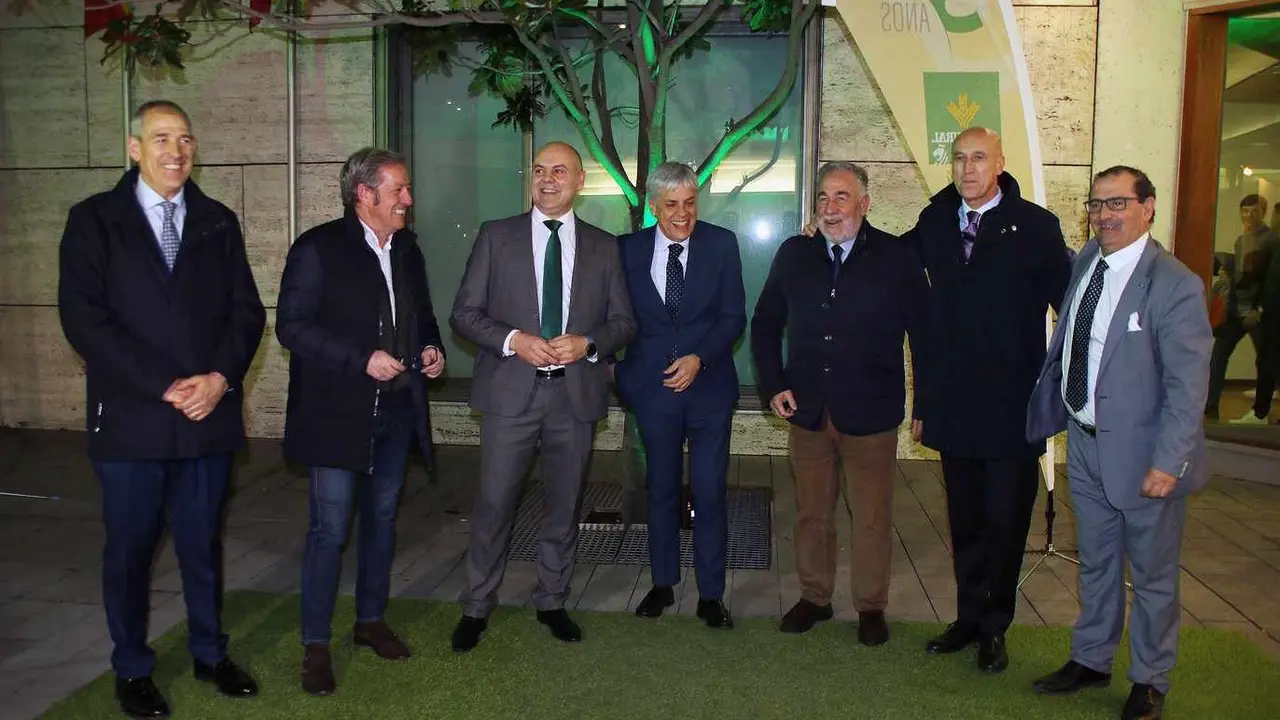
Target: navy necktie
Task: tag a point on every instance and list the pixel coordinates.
(675, 280)
(837, 253)
(1081, 332)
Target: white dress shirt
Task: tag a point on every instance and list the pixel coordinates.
(384, 261)
(1120, 267)
(152, 206)
(568, 250)
(658, 266)
(981, 210)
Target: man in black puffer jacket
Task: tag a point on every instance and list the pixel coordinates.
(356, 315)
(995, 262)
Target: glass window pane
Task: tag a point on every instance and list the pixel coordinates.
(754, 192)
(465, 172)
(1245, 298)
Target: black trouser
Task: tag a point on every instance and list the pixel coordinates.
(1225, 339)
(989, 504)
(1268, 361)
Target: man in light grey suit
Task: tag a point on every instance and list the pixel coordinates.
(1127, 376)
(544, 299)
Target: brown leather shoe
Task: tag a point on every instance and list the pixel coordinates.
(317, 670)
(378, 636)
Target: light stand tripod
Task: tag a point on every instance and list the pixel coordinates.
(1049, 549)
(33, 497)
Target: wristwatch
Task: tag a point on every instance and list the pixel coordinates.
(591, 348)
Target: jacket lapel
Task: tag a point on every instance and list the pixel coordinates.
(1131, 300)
(582, 257)
(202, 221)
(135, 229)
(642, 248)
(699, 275)
(520, 248)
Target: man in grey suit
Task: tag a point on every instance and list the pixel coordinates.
(1127, 376)
(544, 299)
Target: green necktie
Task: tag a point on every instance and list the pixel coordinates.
(552, 283)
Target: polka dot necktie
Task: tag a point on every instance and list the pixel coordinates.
(675, 280)
(1082, 330)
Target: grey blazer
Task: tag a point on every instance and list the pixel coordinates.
(1152, 382)
(499, 292)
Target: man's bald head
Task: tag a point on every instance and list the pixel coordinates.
(977, 159)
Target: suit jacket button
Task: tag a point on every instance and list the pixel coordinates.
(827, 337)
(826, 369)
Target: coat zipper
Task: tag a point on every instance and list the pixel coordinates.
(377, 394)
(97, 427)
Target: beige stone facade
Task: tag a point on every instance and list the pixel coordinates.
(1101, 97)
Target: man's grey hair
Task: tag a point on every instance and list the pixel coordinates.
(669, 176)
(849, 167)
(135, 122)
(362, 168)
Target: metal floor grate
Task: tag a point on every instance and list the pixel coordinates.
(749, 520)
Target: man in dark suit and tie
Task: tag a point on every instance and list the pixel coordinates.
(544, 301)
(846, 298)
(355, 315)
(994, 262)
(685, 281)
(156, 295)
(1127, 376)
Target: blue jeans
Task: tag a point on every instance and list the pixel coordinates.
(135, 496)
(333, 499)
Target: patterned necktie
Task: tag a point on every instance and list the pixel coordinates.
(552, 284)
(1082, 330)
(675, 280)
(169, 239)
(837, 253)
(970, 232)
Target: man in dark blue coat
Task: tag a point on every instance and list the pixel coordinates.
(685, 282)
(356, 315)
(995, 263)
(156, 295)
(846, 297)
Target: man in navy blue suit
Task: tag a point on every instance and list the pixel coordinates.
(685, 281)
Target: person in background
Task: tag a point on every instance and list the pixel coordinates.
(1244, 303)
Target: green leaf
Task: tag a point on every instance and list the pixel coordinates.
(767, 15)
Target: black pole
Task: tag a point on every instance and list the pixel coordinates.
(1048, 516)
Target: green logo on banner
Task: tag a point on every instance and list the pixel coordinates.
(956, 101)
(957, 23)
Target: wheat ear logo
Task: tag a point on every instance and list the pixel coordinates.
(963, 111)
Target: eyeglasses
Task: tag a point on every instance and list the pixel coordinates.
(1113, 203)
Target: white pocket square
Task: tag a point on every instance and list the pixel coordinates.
(1133, 323)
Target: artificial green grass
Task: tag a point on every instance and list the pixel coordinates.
(670, 668)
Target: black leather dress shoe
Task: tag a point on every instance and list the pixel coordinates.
(140, 698)
(954, 639)
(993, 656)
(467, 634)
(1070, 678)
(228, 678)
(563, 628)
(872, 629)
(659, 598)
(804, 615)
(1144, 703)
(714, 614)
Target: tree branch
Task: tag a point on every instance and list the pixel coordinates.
(570, 73)
(708, 13)
(460, 17)
(583, 122)
(599, 93)
(801, 14)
